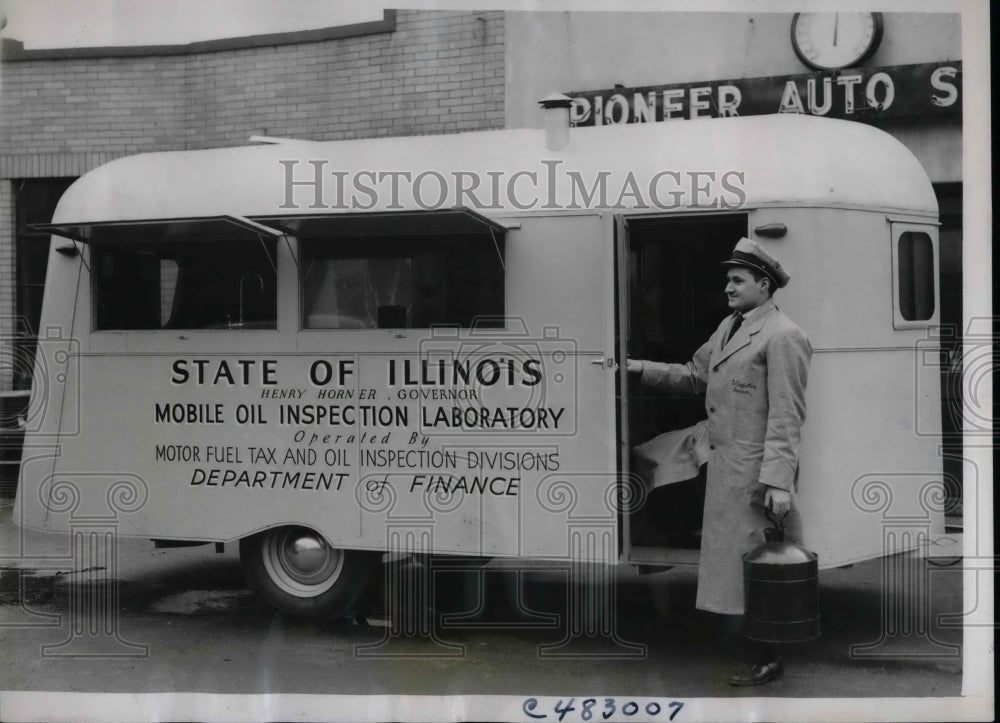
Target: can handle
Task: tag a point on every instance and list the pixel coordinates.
(776, 533)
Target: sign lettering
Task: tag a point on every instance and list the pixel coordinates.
(865, 94)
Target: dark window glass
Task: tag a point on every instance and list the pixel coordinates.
(37, 199)
(35, 202)
(916, 276)
(402, 283)
(185, 285)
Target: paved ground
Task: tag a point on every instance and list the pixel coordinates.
(204, 632)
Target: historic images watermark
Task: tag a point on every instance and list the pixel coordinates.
(91, 506)
(317, 184)
(517, 391)
(417, 615)
(911, 565)
(967, 361)
(502, 377)
(906, 624)
(48, 360)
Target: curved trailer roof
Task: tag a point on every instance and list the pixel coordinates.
(785, 160)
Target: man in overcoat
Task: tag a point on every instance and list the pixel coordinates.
(752, 372)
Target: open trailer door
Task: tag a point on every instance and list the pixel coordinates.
(560, 302)
(622, 276)
(669, 301)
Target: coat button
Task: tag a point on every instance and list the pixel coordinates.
(711, 446)
(712, 410)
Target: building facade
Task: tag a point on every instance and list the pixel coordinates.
(63, 112)
(905, 77)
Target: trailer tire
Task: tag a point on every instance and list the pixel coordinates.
(295, 570)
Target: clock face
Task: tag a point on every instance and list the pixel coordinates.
(826, 41)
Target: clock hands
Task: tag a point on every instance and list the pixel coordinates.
(836, 22)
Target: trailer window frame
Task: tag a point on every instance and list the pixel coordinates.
(915, 283)
(105, 241)
(423, 250)
(193, 290)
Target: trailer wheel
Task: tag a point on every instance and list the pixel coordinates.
(295, 570)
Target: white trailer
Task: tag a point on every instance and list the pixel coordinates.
(329, 350)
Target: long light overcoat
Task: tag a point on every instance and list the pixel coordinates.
(754, 389)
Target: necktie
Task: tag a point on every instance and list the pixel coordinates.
(736, 325)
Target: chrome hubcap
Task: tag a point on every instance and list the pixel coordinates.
(304, 555)
(301, 562)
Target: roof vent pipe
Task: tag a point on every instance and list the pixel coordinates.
(555, 109)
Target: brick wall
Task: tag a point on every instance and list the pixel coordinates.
(122, 105)
(60, 116)
(437, 72)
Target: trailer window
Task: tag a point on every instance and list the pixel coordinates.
(185, 285)
(915, 256)
(400, 283)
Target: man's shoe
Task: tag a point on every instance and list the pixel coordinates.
(758, 673)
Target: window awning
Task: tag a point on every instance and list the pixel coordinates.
(209, 228)
(438, 222)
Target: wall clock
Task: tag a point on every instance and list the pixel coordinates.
(828, 41)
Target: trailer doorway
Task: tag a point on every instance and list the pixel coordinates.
(675, 290)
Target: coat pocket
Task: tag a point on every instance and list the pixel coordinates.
(747, 388)
(749, 396)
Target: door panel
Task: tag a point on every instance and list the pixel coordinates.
(622, 308)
